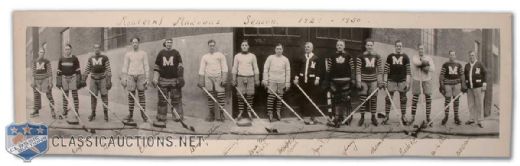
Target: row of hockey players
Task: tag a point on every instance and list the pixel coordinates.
(339, 73)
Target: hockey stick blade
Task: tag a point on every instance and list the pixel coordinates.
(174, 112)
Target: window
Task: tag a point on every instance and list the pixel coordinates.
(328, 33)
(114, 38)
(65, 38)
(270, 32)
(347, 34)
(428, 41)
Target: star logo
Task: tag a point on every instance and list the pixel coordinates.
(26, 140)
(40, 130)
(26, 130)
(14, 130)
(340, 60)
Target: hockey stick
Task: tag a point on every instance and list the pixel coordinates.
(76, 113)
(424, 124)
(395, 108)
(359, 106)
(139, 105)
(50, 103)
(284, 103)
(220, 106)
(106, 106)
(269, 130)
(247, 103)
(312, 102)
(174, 111)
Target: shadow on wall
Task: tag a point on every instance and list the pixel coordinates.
(191, 49)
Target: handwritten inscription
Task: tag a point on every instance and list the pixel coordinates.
(258, 148)
(439, 143)
(462, 147)
(250, 20)
(407, 146)
(287, 146)
(350, 147)
(320, 20)
(230, 147)
(350, 20)
(162, 21)
(183, 21)
(378, 144)
(126, 21)
(310, 20)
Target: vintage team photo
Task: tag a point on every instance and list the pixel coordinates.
(280, 82)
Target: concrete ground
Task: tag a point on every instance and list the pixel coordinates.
(287, 128)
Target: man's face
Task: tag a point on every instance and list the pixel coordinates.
(472, 56)
(41, 53)
(168, 44)
(421, 50)
(135, 43)
(212, 47)
(308, 48)
(369, 46)
(278, 50)
(244, 46)
(67, 50)
(452, 55)
(97, 50)
(398, 47)
(340, 46)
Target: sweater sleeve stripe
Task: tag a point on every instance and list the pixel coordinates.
(89, 67)
(108, 70)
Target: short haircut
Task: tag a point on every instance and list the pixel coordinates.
(310, 43)
(68, 45)
(369, 40)
(471, 51)
(132, 39)
(245, 41)
(164, 43)
(212, 41)
(450, 51)
(278, 44)
(398, 41)
(342, 41)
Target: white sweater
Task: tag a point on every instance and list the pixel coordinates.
(417, 73)
(136, 63)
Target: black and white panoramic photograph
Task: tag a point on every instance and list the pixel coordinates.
(265, 82)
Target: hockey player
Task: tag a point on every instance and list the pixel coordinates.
(308, 77)
(169, 78)
(245, 76)
(213, 72)
(397, 78)
(42, 83)
(98, 67)
(277, 76)
(68, 77)
(451, 81)
(475, 78)
(341, 75)
(369, 72)
(134, 76)
(423, 68)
